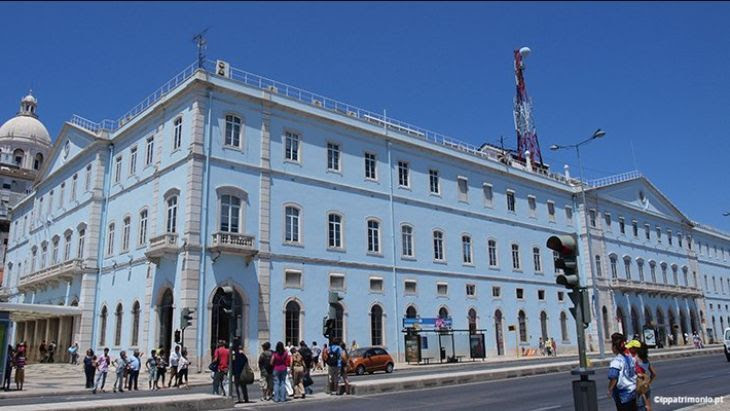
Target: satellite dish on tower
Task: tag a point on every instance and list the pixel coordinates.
(525, 51)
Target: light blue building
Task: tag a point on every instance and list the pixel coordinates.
(229, 178)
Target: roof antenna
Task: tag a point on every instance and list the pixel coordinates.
(201, 43)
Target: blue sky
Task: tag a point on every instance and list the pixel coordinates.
(654, 76)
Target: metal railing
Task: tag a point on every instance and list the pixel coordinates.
(614, 179)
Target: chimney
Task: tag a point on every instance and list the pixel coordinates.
(567, 171)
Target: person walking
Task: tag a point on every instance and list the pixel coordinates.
(151, 366)
(280, 361)
(642, 354)
(43, 350)
(102, 368)
(221, 357)
(354, 346)
(161, 369)
(316, 352)
(297, 372)
(240, 362)
(182, 369)
(331, 357)
(174, 359)
(51, 351)
(121, 363)
(20, 366)
(73, 352)
(134, 365)
(541, 346)
(554, 346)
(8, 368)
(344, 366)
(323, 356)
(622, 376)
(266, 372)
(308, 357)
(89, 368)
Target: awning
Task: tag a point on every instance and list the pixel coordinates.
(30, 312)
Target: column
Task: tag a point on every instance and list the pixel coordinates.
(263, 268)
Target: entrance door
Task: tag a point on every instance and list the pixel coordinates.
(165, 326)
(221, 320)
(498, 332)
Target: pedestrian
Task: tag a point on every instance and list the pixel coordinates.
(280, 361)
(288, 381)
(8, 368)
(622, 376)
(240, 379)
(102, 368)
(642, 354)
(221, 357)
(316, 352)
(266, 372)
(323, 355)
(51, 350)
(43, 350)
(182, 369)
(73, 352)
(89, 368)
(134, 365)
(297, 372)
(548, 347)
(161, 369)
(308, 357)
(554, 346)
(541, 346)
(344, 367)
(151, 366)
(174, 359)
(121, 363)
(331, 357)
(20, 367)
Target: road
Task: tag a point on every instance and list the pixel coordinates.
(699, 376)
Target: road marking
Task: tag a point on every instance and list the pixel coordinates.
(551, 407)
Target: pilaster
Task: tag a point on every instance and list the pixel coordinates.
(264, 262)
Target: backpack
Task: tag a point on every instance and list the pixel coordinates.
(307, 356)
(333, 357)
(642, 380)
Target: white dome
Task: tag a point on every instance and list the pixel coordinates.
(29, 99)
(25, 126)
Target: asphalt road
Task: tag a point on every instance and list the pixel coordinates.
(698, 376)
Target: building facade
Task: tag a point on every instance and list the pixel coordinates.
(231, 179)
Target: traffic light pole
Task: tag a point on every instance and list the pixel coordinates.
(584, 390)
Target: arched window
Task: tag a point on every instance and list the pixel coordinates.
(536, 259)
(443, 313)
(373, 236)
(522, 321)
(38, 161)
(135, 323)
(407, 240)
(334, 230)
(126, 227)
(102, 326)
(411, 312)
(515, 256)
(627, 267)
(82, 238)
(118, 330)
(564, 325)
(233, 131)
(292, 332)
(664, 272)
(675, 277)
(614, 270)
(438, 245)
(292, 224)
(339, 331)
(498, 332)
(376, 325)
(652, 270)
(543, 325)
(142, 235)
(230, 213)
(18, 156)
(466, 249)
(472, 321)
(640, 268)
(110, 240)
(172, 214)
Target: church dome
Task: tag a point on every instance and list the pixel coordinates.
(25, 125)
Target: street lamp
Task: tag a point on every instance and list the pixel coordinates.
(599, 319)
(726, 214)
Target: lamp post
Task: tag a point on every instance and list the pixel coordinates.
(599, 315)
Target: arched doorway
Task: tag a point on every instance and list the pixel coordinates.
(683, 324)
(225, 323)
(498, 332)
(647, 317)
(693, 320)
(411, 312)
(661, 327)
(165, 321)
(292, 331)
(543, 325)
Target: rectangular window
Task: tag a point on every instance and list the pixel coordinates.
(515, 256)
(659, 235)
(54, 252)
(61, 195)
(520, 293)
(471, 290)
(569, 215)
(334, 231)
(376, 284)
(561, 296)
(177, 134)
(532, 203)
(403, 174)
(551, 211)
(622, 225)
(488, 194)
(370, 169)
(291, 146)
(669, 237)
(635, 228)
(373, 236)
(410, 286)
(466, 249)
(67, 248)
(80, 250)
(496, 292)
(125, 234)
(142, 237)
(438, 246)
(556, 256)
(607, 220)
(407, 240)
(150, 150)
(87, 184)
(492, 251)
(541, 295)
(132, 161)
(233, 131)
(592, 217)
(110, 240)
(536, 259)
(337, 282)
(74, 183)
(292, 279)
(433, 178)
(647, 231)
(511, 201)
(598, 266)
(463, 189)
(442, 289)
(333, 157)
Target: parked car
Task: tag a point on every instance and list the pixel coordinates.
(370, 359)
(726, 341)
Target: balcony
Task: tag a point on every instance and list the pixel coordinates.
(654, 288)
(160, 246)
(51, 274)
(234, 243)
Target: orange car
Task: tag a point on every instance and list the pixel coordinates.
(370, 359)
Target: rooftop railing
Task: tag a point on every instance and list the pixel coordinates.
(614, 179)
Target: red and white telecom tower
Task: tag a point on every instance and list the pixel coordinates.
(524, 124)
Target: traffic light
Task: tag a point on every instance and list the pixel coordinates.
(566, 247)
(227, 303)
(328, 325)
(581, 299)
(186, 317)
(334, 298)
(177, 337)
(328, 322)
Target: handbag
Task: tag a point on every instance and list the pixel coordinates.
(307, 380)
(248, 376)
(213, 366)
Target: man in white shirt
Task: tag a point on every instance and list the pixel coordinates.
(174, 361)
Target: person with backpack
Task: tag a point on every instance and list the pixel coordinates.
(308, 365)
(331, 356)
(240, 369)
(266, 372)
(622, 376)
(642, 355)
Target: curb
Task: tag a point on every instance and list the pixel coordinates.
(465, 377)
(192, 402)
